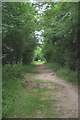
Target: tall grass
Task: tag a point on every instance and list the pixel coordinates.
(65, 73)
(12, 76)
(15, 71)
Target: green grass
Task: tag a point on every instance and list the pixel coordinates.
(19, 102)
(22, 104)
(38, 62)
(14, 71)
(65, 73)
(68, 75)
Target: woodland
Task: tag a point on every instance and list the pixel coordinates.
(36, 33)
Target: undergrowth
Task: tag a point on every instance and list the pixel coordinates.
(20, 102)
(12, 76)
(16, 71)
(65, 73)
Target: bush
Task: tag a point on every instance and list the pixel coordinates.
(10, 71)
(15, 71)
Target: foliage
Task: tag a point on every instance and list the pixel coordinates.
(18, 32)
(65, 73)
(39, 62)
(16, 71)
(20, 47)
(60, 24)
(38, 55)
(12, 71)
(59, 21)
(19, 101)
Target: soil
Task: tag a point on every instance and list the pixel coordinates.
(31, 85)
(66, 94)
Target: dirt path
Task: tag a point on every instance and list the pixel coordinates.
(66, 94)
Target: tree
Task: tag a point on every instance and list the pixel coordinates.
(18, 32)
(60, 24)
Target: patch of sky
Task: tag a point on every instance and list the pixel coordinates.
(38, 35)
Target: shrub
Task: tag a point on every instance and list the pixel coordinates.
(10, 71)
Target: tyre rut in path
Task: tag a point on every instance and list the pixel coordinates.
(67, 94)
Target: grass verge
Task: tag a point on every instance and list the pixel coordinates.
(68, 75)
(20, 102)
(13, 71)
(12, 76)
